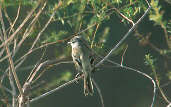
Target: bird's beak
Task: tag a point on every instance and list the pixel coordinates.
(69, 43)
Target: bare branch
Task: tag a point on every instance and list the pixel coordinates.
(144, 74)
(13, 89)
(40, 33)
(124, 37)
(44, 64)
(124, 55)
(97, 26)
(160, 89)
(129, 20)
(11, 65)
(16, 18)
(10, 58)
(99, 92)
(169, 105)
(6, 89)
(20, 27)
(29, 28)
(56, 89)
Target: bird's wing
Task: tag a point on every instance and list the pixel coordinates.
(89, 50)
(76, 59)
(78, 62)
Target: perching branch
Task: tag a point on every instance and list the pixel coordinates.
(124, 37)
(56, 89)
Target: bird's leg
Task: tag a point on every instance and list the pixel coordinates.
(78, 75)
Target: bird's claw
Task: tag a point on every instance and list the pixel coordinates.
(77, 75)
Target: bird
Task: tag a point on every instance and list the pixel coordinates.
(84, 61)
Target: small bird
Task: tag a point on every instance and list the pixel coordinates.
(84, 61)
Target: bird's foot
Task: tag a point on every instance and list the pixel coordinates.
(78, 75)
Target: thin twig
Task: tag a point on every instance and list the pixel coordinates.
(16, 18)
(125, 36)
(40, 33)
(58, 63)
(7, 17)
(99, 92)
(51, 43)
(44, 64)
(29, 80)
(144, 74)
(6, 89)
(29, 28)
(160, 89)
(10, 58)
(3, 49)
(123, 16)
(5, 57)
(35, 49)
(56, 89)
(123, 55)
(21, 26)
(11, 65)
(85, 29)
(153, 69)
(97, 26)
(11, 80)
(29, 52)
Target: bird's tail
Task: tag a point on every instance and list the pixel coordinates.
(88, 85)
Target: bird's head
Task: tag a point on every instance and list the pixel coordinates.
(75, 40)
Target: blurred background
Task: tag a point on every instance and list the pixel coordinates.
(102, 24)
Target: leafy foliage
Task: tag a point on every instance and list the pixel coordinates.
(149, 60)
